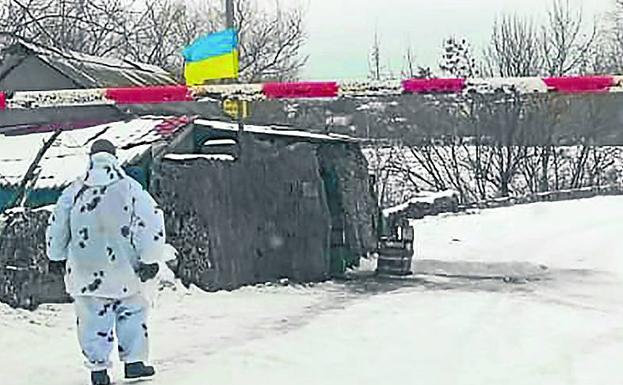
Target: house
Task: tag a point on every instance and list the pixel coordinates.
(30, 67)
(26, 66)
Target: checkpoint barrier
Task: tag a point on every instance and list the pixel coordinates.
(304, 90)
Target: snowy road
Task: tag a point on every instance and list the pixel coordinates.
(563, 326)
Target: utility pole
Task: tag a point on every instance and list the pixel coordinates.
(229, 13)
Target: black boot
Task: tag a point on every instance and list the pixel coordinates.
(100, 377)
(138, 370)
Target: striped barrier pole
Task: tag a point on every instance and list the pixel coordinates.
(305, 90)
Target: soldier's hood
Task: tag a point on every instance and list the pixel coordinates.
(104, 170)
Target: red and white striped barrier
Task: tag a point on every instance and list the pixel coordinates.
(304, 90)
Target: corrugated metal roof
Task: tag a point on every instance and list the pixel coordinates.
(68, 157)
(99, 72)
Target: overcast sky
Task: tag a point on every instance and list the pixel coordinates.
(341, 31)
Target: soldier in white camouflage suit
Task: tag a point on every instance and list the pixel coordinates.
(107, 234)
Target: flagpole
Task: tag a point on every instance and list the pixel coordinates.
(229, 13)
(229, 20)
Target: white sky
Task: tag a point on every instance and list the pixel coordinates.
(341, 31)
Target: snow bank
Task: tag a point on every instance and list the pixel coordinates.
(425, 197)
(578, 234)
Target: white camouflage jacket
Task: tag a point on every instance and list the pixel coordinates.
(103, 225)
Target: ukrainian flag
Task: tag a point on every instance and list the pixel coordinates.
(213, 56)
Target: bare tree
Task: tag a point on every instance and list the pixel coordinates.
(566, 44)
(517, 49)
(542, 116)
(376, 68)
(155, 31)
(500, 119)
(514, 49)
(409, 67)
(163, 28)
(591, 120)
(386, 164)
(606, 54)
(93, 27)
(270, 43)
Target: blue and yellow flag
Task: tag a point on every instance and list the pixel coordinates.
(213, 56)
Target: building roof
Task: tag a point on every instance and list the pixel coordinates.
(85, 70)
(68, 157)
(276, 131)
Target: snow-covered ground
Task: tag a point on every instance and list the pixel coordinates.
(563, 325)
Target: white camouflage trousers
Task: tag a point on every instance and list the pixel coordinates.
(99, 319)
